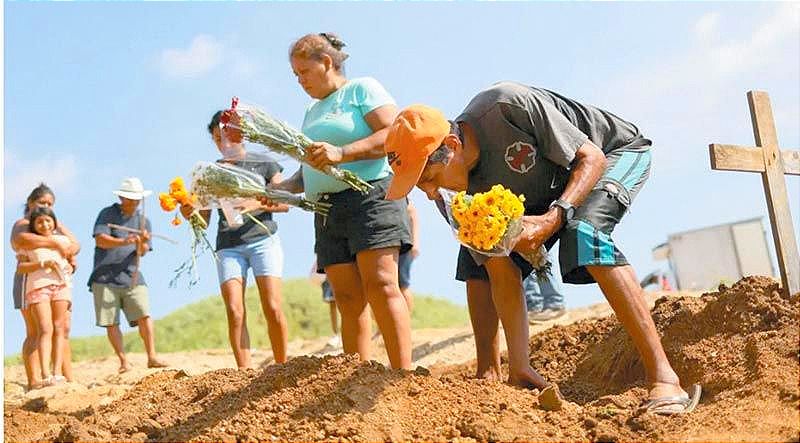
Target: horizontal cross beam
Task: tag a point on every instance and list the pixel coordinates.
(749, 159)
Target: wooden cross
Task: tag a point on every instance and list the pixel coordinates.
(772, 163)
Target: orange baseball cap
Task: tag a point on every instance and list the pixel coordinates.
(416, 132)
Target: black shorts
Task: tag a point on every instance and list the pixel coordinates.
(586, 239)
(357, 222)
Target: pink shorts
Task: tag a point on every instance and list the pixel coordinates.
(48, 294)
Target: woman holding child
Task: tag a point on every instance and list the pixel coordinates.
(46, 254)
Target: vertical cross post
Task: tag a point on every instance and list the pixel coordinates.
(772, 163)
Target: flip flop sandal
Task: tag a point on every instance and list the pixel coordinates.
(673, 404)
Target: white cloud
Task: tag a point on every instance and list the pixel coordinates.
(705, 29)
(202, 55)
(705, 73)
(698, 94)
(761, 47)
(59, 172)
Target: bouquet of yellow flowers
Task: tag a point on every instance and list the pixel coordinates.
(256, 126)
(179, 195)
(490, 222)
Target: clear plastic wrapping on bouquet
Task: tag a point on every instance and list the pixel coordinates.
(503, 240)
(222, 185)
(247, 122)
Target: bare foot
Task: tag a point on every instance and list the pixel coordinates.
(124, 367)
(156, 363)
(528, 379)
(658, 390)
(491, 373)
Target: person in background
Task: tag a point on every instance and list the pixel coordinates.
(544, 297)
(658, 278)
(319, 279)
(48, 290)
(21, 238)
(116, 281)
(405, 259)
(358, 242)
(249, 243)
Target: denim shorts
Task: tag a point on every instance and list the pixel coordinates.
(264, 256)
(327, 292)
(404, 270)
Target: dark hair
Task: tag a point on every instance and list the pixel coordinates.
(440, 154)
(313, 46)
(214, 121)
(36, 194)
(40, 212)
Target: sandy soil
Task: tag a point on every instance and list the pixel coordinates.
(740, 344)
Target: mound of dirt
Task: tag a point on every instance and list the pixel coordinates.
(740, 344)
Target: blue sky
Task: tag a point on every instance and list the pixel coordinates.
(95, 92)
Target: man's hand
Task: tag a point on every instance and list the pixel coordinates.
(141, 243)
(321, 154)
(414, 252)
(536, 229)
(131, 239)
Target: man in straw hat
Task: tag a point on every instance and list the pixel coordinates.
(116, 281)
(579, 168)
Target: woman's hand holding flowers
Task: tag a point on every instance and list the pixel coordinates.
(321, 154)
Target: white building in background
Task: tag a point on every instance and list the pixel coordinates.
(703, 258)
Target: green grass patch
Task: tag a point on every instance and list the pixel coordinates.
(203, 325)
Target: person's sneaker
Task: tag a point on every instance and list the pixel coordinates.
(545, 315)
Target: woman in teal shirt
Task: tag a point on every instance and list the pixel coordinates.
(358, 242)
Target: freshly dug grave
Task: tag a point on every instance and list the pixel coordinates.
(740, 344)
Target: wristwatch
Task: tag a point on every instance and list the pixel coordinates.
(569, 210)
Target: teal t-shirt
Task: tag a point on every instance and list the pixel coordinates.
(339, 119)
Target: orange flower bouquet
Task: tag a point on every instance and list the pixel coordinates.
(178, 195)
